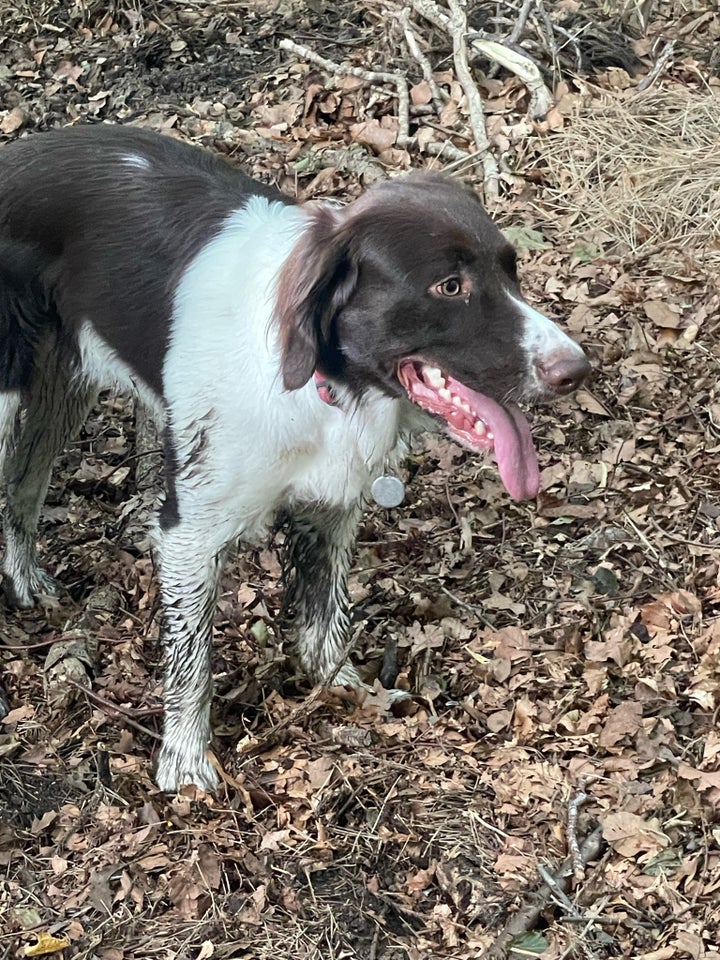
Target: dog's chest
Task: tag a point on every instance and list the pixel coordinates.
(337, 457)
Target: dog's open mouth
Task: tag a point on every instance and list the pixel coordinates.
(477, 422)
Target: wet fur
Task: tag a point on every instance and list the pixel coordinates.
(131, 259)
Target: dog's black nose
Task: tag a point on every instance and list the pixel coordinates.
(563, 371)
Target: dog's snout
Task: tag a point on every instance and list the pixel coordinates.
(563, 371)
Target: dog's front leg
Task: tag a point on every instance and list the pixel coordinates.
(189, 570)
(317, 554)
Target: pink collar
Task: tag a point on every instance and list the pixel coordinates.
(325, 390)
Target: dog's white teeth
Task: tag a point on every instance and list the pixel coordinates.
(466, 407)
(480, 428)
(444, 394)
(433, 375)
(457, 402)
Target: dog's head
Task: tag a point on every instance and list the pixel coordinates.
(414, 290)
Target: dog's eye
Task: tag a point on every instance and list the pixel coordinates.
(451, 287)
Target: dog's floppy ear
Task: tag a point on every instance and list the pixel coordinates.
(316, 281)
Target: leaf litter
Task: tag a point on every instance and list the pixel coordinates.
(561, 649)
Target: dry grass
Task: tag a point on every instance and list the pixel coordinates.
(642, 173)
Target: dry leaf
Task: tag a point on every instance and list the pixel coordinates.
(630, 834)
(624, 721)
(663, 314)
(46, 943)
(379, 137)
(13, 120)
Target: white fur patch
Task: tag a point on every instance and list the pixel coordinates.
(267, 447)
(9, 407)
(138, 162)
(542, 337)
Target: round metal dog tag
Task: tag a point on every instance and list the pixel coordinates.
(388, 491)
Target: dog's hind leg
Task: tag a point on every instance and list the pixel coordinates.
(10, 401)
(55, 404)
(317, 555)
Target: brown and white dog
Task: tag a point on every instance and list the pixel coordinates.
(130, 258)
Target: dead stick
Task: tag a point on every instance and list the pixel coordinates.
(574, 805)
(522, 66)
(443, 148)
(458, 29)
(403, 18)
(549, 32)
(527, 918)
(371, 76)
(32, 646)
(520, 22)
(662, 62)
(123, 712)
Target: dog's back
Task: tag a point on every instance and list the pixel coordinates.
(112, 216)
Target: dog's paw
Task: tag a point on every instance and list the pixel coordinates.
(24, 590)
(176, 769)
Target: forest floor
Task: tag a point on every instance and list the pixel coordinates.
(565, 653)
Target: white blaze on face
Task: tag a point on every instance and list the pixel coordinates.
(542, 339)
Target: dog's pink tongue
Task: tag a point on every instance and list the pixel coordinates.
(514, 448)
(515, 452)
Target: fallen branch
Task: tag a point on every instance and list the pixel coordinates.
(661, 63)
(117, 710)
(540, 97)
(458, 30)
(403, 139)
(449, 150)
(574, 805)
(549, 34)
(523, 67)
(403, 18)
(526, 919)
(370, 76)
(520, 22)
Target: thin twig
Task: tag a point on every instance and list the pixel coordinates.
(582, 938)
(458, 30)
(403, 18)
(666, 55)
(32, 646)
(476, 611)
(571, 38)
(116, 709)
(549, 35)
(520, 22)
(574, 804)
(371, 76)
(527, 917)
(559, 895)
(521, 65)
(449, 150)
